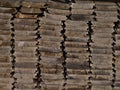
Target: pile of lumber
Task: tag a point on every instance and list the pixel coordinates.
(59, 45)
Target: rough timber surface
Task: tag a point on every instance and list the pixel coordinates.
(59, 45)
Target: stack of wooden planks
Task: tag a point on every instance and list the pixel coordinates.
(59, 45)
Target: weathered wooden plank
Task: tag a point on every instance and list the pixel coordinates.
(51, 27)
(50, 49)
(10, 3)
(24, 54)
(83, 5)
(28, 16)
(31, 45)
(28, 4)
(5, 16)
(51, 38)
(51, 54)
(50, 33)
(103, 25)
(106, 7)
(77, 55)
(24, 21)
(48, 21)
(102, 30)
(81, 11)
(5, 26)
(57, 5)
(50, 44)
(81, 17)
(106, 19)
(25, 65)
(52, 76)
(76, 50)
(55, 17)
(4, 58)
(33, 11)
(24, 27)
(25, 38)
(7, 10)
(58, 11)
(25, 59)
(76, 39)
(71, 23)
(76, 34)
(75, 44)
(106, 13)
(25, 33)
(20, 86)
(51, 70)
(101, 35)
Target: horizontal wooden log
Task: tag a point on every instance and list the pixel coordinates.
(25, 33)
(24, 54)
(25, 44)
(76, 39)
(50, 49)
(77, 55)
(4, 65)
(106, 13)
(76, 50)
(58, 11)
(105, 3)
(4, 58)
(55, 17)
(52, 76)
(5, 32)
(5, 87)
(51, 54)
(51, 38)
(50, 33)
(101, 35)
(33, 4)
(25, 38)
(7, 10)
(76, 34)
(4, 43)
(106, 7)
(25, 65)
(27, 16)
(51, 27)
(83, 5)
(81, 17)
(103, 25)
(50, 44)
(102, 30)
(51, 70)
(72, 23)
(82, 11)
(48, 21)
(24, 21)
(75, 44)
(11, 3)
(20, 85)
(5, 26)
(24, 27)
(106, 19)
(33, 11)
(57, 5)
(102, 87)
(25, 59)
(6, 16)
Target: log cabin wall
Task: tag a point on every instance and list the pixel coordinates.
(59, 45)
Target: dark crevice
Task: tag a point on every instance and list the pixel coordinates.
(64, 54)
(12, 50)
(38, 77)
(90, 32)
(115, 27)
